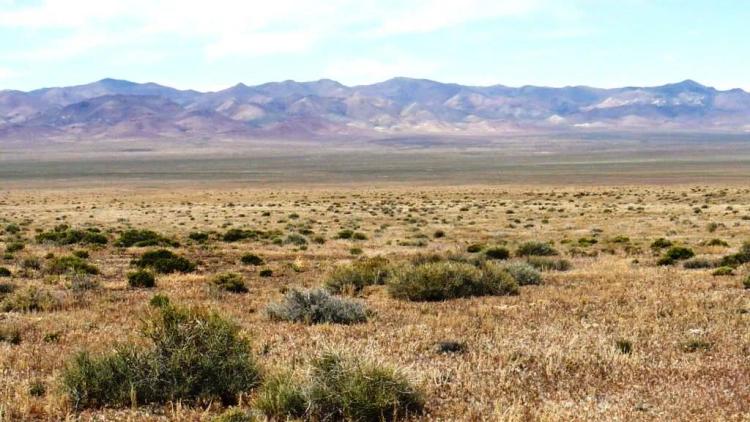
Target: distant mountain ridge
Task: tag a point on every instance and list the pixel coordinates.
(122, 109)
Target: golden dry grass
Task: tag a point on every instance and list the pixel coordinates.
(547, 354)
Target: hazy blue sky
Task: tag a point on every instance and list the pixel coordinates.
(213, 44)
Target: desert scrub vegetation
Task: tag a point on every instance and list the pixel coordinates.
(340, 388)
(542, 263)
(252, 259)
(355, 276)
(497, 253)
(142, 238)
(229, 282)
(535, 248)
(317, 306)
(436, 281)
(524, 273)
(141, 279)
(4, 272)
(71, 265)
(164, 261)
(31, 299)
(674, 254)
(64, 235)
(195, 356)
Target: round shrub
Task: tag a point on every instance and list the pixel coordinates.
(141, 278)
(497, 252)
(542, 263)
(356, 276)
(316, 307)
(230, 282)
(267, 272)
(71, 264)
(435, 281)
(474, 248)
(164, 262)
(679, 253)
(251, 259)
(524, 274)
(535, 248)
(723, 271)
(4, 272)
(746, 282)
(698, 263)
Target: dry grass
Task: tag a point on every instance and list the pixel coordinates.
(549, 353)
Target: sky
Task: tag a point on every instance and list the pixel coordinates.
(210, 45)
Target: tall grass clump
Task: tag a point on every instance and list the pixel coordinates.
(195, 356)
(435, 281)
(356, 276)
(315, 307)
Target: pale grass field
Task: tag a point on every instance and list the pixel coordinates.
(548, 354)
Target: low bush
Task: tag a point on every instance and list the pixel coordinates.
(450, 346)
(660, 243)
(30, 299)
(524, 274)
(356, 276)
(4, 272)
(435, 281)
(266, 272)
(346, 389)
(141, 278)
(199, 237)
(63, 235)
(698, 263)
(164, 261)
(717, 242)
(746, 282)
(548, 264)
(235, 235)
(195, 357)
(14, 247)
(281, 397)
(475, 248)
(142, 238)
(234, 414)
(10, 335)
(230, 282)
(534, 248)
(735, 260)
(679, 253)
(315, 307)
(723, 271)
(71, 264)
(251, 259)
(497, 252)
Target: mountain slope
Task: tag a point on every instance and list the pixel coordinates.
(116, 108)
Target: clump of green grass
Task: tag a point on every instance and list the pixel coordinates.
(14, 247)
(674, 254)
(10, 335)
(199, 237)
(142, 238)
(30, 299)
(474, 248)
(281, 397)
(542, 263)
(316, 307)
(141, 279)
(164, 261)
(266, 272)
(534, 248)
(698, 263)
(735, 260)
(624, 346)
(195, 357)
(524, 274)
(723, 271)
(252, 259)
(660, 243)
(234, 414)
(71, 265)
(746, 282)
(435, 281)
(230, 282)
(356, 276)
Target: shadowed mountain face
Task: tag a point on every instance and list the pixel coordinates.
(121, 109)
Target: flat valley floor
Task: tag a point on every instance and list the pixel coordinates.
(614, 337)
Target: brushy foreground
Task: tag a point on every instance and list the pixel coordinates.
(429, 303)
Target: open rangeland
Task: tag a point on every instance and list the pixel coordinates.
(637, 309)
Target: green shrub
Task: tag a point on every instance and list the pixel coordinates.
(295, 239)
(345, 234)
(360, 273)
(12, 228)
(164, 261)
(141, 238)
(723, 271)
(679, 253)
(317, 307)
(475, 248)
(266, 272)
(280, 398)
(251, 259)
(63, 235)
(359, 236)
(524, 274)
(198, 237)
(4, 272)
(141, 278)
(230, 282)
(71, 264)
(30, 299)
(235, 235)
(534, 248)
(342, 389)
(10, 335)
(717, 242)
(14, 247)
(438, 234)
(450, 346)
(698, 263)
(196, 356)
(435, 281)
(746, 282)
(737, 259)
(497, 252)
(692, 346)
(660, 243)
(624, 346)
(548, 264)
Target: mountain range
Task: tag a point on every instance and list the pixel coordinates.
(112, 108)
